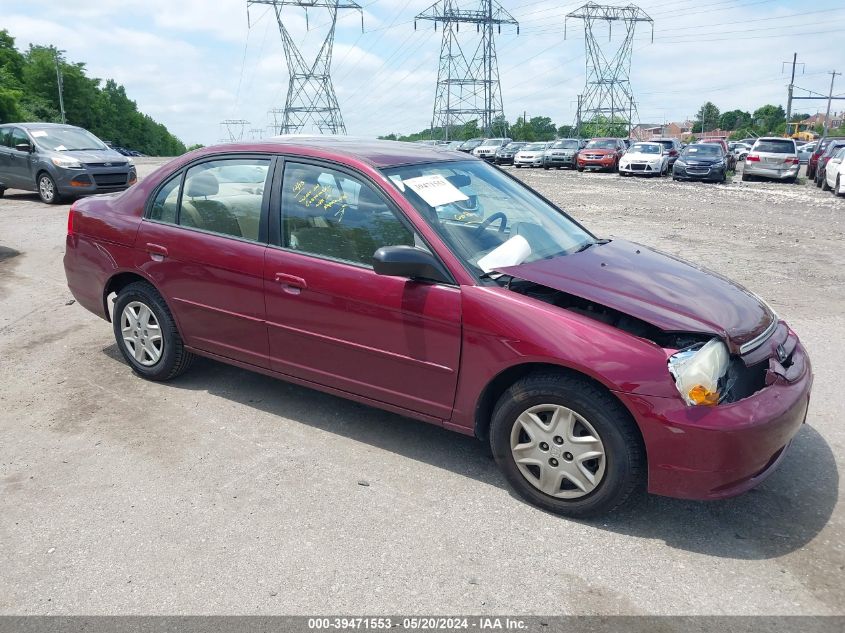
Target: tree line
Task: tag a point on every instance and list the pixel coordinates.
(29, 92)
(766, 120)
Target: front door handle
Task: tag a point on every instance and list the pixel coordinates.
(157, 252)
(290, 283)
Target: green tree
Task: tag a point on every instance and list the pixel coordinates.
(522, 131)
(769, 119)
(734, 119)
(544, 129)
(707, 118)
(566, 131)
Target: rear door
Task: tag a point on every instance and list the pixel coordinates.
(331, 319)
(5, 139)
(203, 241)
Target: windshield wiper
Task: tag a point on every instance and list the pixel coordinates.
(587, 245)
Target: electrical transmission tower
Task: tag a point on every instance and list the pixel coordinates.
(468, 89)
(311, 98)
(608, 102)
(232, 130)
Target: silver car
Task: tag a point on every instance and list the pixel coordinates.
(488, 148)
(562, 153)
(531, 155)
(772, 157)
(805, 151)
(60, 161)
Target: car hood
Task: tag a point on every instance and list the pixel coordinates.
(96, 156)
(703, 160)
(642, 156)
(654, 287)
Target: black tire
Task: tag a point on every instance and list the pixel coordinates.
(2, 192)
(838, 190)
(745, 177)
(824, 185)
(47, 190)
(625, 464)
(516, 166)
(175, 359)
(546, 167)
(819, 179)
(580, 169)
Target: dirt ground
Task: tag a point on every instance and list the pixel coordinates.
(229, 492)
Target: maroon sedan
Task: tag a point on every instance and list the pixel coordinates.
(433, 285)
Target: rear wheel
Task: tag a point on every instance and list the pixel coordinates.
(47, 190)
(566, 445)
(2, 191)
(745, 177)
(838, 190)
(581, 169)
(824, 185)
(146, 333)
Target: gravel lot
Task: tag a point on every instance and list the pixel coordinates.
(230, 492)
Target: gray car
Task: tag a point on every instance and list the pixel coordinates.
(60, 161)
(772, 157)
(562, 153)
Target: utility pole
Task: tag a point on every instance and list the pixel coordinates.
(791, 86)
(578, 119)
(607, 96)
(60, 82)
(833, 74)
(468, 87)
(310, 98)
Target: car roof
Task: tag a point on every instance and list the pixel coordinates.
(378, 153)
(29, 126)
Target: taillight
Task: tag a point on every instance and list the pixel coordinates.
(752, 158)
(793, 161)
(673, 152)
(70, 217)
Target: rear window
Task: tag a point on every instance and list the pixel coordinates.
(775, 146)
(667, 144)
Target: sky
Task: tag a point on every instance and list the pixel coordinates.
(191, 64)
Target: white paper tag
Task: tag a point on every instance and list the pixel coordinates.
(38, 133)
(435, 190)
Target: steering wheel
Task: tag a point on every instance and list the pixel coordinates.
(490, 219)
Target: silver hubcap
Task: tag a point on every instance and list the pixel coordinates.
(45, 185)
(558, 451)
(141, 333)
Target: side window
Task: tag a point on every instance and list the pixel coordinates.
(18, 136)
(225, 196)
(167, 201)
(325, 212)
(4, 137)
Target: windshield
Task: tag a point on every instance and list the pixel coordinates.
(514, 146)
(488, 219)
(602, 143)
(63, 139)
(492, 142)
(471, 144)
(566, 145)
(703, 151)
(645, 148)
(534, 147)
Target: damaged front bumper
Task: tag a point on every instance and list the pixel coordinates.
(699, 452)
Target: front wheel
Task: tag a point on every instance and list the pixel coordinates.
(581, 169)
(47, 190)
(566, 445)
(146, 333)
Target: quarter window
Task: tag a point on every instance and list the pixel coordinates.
(328, 213)
(225, 196)
(166, 202)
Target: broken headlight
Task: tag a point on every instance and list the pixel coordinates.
(697, 371)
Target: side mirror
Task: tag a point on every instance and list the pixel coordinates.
(23, 147)
(410, 262)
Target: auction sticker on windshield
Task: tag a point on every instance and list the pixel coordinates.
(435, 190)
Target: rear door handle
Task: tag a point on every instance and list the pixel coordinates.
(291, 283)
(156, 251)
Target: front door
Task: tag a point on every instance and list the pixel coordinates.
(203, 243)
(20, 163)
(332, 320)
